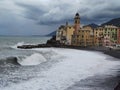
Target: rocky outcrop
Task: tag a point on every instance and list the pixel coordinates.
(53, 41)
(33, 46)
(117, 87)
(50, 43)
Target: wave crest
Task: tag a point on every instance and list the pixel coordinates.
(34, 59)
(18, 44)
(9, 60)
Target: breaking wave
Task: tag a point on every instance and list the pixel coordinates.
(9, 60)
(39, 56)
(10, 47)
(34, 59)
(18, 44)
(5, 48)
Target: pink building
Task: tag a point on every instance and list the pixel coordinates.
(106, 40)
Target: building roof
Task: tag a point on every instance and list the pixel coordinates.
(62, 26)
(110, 26)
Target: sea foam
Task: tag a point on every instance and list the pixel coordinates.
(76, 66)
(34, 59)
(18, 44)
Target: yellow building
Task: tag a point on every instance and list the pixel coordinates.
(89, 34)
(84, 37)
(69, 32)
(98, 36)
(64, 34)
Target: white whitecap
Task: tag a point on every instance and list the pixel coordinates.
(18, 44)
(34, 59)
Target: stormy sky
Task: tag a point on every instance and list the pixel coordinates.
(40, 17)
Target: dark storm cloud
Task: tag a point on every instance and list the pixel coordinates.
(90, 11)
(100, 11)
(44, 16)
(39, 15)
(54, 15)
(31, 12)
(55, 22)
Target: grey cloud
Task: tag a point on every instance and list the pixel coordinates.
(93, 11)
(31, 12)
(50, 22)
(54, 15)
(34, 16)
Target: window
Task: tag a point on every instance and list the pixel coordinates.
(75, 21)
(82, 36)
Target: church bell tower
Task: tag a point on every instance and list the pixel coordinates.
(77, 22)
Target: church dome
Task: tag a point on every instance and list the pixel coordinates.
(77, 14)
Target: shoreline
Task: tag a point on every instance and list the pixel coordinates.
(110, 83)
(104, 50)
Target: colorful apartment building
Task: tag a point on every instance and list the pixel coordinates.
(110, 33)
(106, 40)
(98, 36)
(86, 36)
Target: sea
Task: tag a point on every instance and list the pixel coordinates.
(53, 68)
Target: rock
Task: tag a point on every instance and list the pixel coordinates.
(53, 42)
(117, 87)
(50, 43)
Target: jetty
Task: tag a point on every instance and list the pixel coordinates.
(50, 43)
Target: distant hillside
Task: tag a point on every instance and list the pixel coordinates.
(115, 22)
(52, 33)
(93, 25)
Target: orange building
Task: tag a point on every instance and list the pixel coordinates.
(98, 36)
